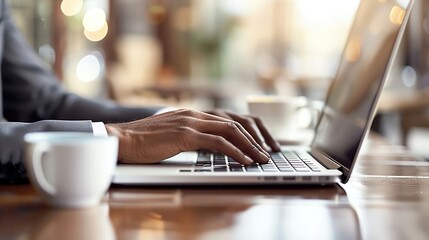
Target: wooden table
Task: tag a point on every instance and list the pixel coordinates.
(386, 198)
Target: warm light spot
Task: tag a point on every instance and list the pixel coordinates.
(97, 35)
(157, 13)
(353, 51)
(397, 15)
(375, 27)
(182, 19)
(88, 68)
(157, 9)
(71, 7)
(94, 20)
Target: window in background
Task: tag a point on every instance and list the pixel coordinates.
(269, 47)
(34, 20)
(86, 24)
(116, 48)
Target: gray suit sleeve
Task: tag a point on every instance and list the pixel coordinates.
(32, 94)
(11, 142)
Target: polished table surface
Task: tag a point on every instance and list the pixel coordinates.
(386, 198)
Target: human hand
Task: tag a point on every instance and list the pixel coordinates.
(158, 137)
(254, 126)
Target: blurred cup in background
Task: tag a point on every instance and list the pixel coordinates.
(285, 117)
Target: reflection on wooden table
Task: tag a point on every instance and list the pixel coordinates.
(386, 198)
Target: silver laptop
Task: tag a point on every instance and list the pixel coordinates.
(345, 120)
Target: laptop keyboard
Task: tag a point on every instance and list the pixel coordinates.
(287, 161)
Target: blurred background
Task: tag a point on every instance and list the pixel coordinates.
(213, 53)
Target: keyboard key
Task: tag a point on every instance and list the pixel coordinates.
(268, 167)
(270, 170)
(235, 165)
(203, 158)
(203, 162)
(236, 169)
(219, 162)
(253, 170)
(220, 169)
(286, 170)
(202, 170)
(283, 162)
(302, 169)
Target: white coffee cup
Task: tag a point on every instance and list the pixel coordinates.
(70, 169)
(284, 116)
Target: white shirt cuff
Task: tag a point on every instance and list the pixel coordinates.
(164, 110)
(99, 129)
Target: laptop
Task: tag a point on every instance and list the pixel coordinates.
(345, 120)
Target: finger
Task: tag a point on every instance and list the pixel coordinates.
(241, 128)
(220, 114)
(196, 116)
(231, 131)
(274, 144)
(219, 144)
(249, 124)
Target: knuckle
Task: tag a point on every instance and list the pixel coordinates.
(185, 121)
(232, 125)
(248, 121)
(184, 136)
(183, 130)
(179, 111)
(186, 112)
(192, 113)
(257, 120)
(217, 111)
(220, 141)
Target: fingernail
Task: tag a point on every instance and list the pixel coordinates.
(268, 159)
(261, 150)
(263, 158)
(268, 155)
(248, 160)
(266, 147)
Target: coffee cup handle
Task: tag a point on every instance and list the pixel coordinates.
(313, 108)
(37, 154)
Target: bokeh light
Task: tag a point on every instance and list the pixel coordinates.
(97, 35)
(94, 20)
(71, 7)
(397, 15)
(88, 69)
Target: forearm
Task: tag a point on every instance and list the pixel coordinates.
(77, 108)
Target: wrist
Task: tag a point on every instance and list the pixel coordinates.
(112, 130)
(115, 130)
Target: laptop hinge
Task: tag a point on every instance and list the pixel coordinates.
(325, 160)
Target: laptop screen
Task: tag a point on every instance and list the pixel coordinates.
(351, 100)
